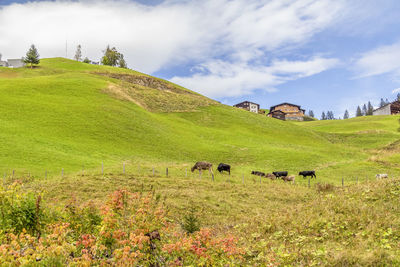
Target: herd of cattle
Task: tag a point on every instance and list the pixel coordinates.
(284, 175)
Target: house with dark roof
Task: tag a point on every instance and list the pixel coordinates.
(287, 111)
(388, 109)
(250, 106)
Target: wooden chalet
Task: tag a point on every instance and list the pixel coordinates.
(249, 106)
(388, 109)
(287, 111)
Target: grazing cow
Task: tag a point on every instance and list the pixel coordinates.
(224, 167)
(288, 178)
(308, 173)
(381, 175)
(201, 165)
(270, 176)
(258, 173)
(280, 174)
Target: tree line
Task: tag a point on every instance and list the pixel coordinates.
(111, 57)
(363, 110)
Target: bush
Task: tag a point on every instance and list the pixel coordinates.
(190, 223)
(20, 210)
(132, 229)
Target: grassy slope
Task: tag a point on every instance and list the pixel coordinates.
(60, 116)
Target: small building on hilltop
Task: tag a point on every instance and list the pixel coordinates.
(12, 63)
(250, 106)
(388, 109)
(287, 111)
(15, 63)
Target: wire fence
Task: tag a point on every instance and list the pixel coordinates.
(176, 172)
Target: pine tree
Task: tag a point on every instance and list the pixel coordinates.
(78, 53)
(358, 112)
(86, 60)
(311, 113)
(370, 109)
(382, 103)
(32, 56)
(122, 62)
(364, 110)
(346, 115)
(323, 116)
(398, 94)
(387, 101)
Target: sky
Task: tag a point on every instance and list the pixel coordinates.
(320, 54)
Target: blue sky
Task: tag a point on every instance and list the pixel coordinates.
(323, 55)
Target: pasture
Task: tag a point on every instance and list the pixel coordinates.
(70, 130)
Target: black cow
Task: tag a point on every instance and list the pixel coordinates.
(224, 167)
(280, 174)
(308, 173)
(258, 173)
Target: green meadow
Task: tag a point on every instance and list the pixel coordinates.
(65, 115)
(68, 119)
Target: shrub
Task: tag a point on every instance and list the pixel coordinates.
(20, 210)
(190, 223)
(132, 229)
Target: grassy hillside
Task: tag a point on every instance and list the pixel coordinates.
(66, 114)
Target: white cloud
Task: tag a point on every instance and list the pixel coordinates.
(395, 91)
(223, 79)
(230, 39)
(382, 60)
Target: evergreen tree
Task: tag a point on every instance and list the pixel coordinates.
(311, 113)
(358, 112)
(346, 115)
(86, 60)
(78, 53)
(364, 110)
(323, 116)
(32, 56)
(370, 109)
(122, 62)
(382, 103)
(398, 94)
(387, 101)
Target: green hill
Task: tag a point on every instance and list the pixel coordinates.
(66, 114)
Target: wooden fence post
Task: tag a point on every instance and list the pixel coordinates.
(200, 173)
(45, 175)
(83, 170)
(153, 172)
(13, 174)
(102, 168)
(166, 172)
(4, 179)
(212, 175)
(357, 179)
(186, 172)
(309, 185)
(123, 167)
(62, 172)
(260, 179)
(342, 181)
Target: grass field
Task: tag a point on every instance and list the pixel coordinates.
(67, 116)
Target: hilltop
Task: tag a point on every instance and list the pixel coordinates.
(66, 114)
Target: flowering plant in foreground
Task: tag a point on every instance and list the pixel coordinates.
(133, 229)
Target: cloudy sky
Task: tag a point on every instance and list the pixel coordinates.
(321, 54)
